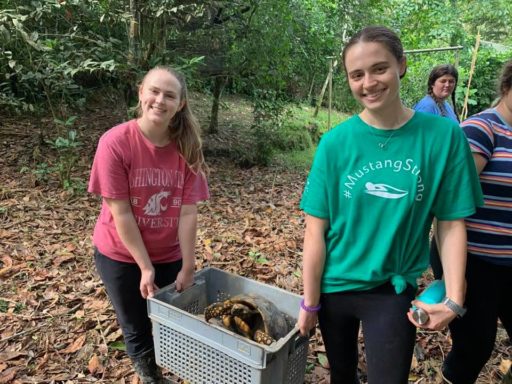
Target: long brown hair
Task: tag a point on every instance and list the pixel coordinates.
(436, 73)
(184, 128)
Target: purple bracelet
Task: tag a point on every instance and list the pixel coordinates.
(316, 308)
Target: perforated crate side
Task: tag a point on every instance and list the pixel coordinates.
(200, 363)
(296, 368)
(197, 362)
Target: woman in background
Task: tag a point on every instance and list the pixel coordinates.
(441, 85)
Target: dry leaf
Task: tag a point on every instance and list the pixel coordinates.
(8, 375)
(505, 365)
(62, 259)
(94, 365)
(6, 261)
(43, 362)
(322, 359)
(76, 345)
(10, 355)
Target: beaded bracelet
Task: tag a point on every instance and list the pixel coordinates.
(316, 308)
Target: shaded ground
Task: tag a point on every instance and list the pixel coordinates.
(56, 322)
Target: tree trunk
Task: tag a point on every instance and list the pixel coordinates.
(134, 34)
(220, 83)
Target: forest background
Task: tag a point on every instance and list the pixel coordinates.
(258, 72)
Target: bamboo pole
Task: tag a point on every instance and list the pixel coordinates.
(464, 112)
(330, 93)
(322, 92)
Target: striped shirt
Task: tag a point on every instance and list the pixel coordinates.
(490, 228)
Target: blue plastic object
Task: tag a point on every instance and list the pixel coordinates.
(433, 294)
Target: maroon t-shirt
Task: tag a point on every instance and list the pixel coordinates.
(156, 180)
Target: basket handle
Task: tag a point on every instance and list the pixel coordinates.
(298, 342)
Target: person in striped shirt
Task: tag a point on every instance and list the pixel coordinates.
(489, 262)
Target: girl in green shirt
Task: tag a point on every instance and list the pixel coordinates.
(376, 183)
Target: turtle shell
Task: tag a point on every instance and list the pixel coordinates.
(254, 316)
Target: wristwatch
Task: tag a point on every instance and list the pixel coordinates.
(456, 308)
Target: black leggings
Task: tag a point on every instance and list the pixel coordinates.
(122, 281)
(487, 299)
(388, 334)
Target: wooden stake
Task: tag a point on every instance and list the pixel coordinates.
(464, 112)
(322, 92)
(330, 93)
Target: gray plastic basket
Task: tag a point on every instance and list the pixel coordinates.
(204, 353)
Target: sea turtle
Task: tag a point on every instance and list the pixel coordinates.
(251, 316)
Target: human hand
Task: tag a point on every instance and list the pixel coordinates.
(306, 322)
(147, 283)
(439, 315)
(184, 279)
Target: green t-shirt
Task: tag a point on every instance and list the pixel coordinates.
(380, 202)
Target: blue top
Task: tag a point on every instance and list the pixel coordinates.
(429, 105)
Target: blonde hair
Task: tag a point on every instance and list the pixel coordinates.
(184, 128)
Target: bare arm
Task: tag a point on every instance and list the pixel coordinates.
(312, 269)
(480, 162)
(187, 233)
(129, 233)
(452, 244)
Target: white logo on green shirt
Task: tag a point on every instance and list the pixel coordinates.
(384, 191)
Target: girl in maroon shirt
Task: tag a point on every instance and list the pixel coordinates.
(150, 173)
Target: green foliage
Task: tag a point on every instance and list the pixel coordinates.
(492, 17)
(484, 87)
(42, 172)
(295, 160)
(293, 136)
(117, 346)
(300, 117)
(46, 50)
(269, 114)
(257, 256)
(4, 305)
(67, 148)
(53, 54)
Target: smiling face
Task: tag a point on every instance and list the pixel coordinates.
(443, 87)
(373, 75)
(160, 97)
